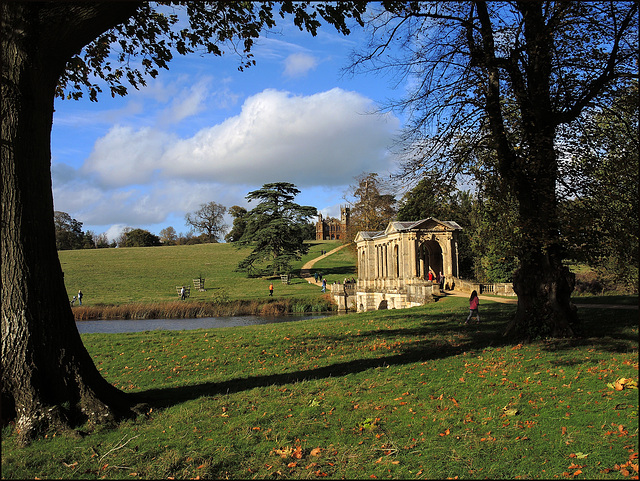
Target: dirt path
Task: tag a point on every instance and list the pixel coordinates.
(514, 300)
(305, 271)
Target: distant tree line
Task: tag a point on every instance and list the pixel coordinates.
(207, 226)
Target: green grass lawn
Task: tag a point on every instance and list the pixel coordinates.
(151, 274)
(403, 394)
(338, 266)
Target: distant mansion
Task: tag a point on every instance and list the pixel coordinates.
(332, 228)
(394, 265)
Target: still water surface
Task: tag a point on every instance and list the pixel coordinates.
(139, 325)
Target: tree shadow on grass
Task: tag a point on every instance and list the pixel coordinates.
(440, 336)
(434, 343)
(335, 271)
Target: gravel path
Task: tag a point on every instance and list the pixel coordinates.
(305, 271)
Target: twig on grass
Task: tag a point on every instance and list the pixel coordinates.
(117, 447)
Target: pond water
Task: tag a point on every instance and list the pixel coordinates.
(139, 325)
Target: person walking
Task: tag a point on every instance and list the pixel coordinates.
(271, 290)
(324, 285)
(183, 293)
(474, 304)
(80, 297)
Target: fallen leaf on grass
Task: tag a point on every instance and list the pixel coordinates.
(297, 453)
(623, 383)
(284, 452)
(578, 455)
(446, 433)
(315, 452)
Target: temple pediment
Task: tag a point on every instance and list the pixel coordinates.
(368, 235)
(428, 224)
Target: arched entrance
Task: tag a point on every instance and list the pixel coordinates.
(429, 258)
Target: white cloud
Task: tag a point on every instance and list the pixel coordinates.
(299, 64)
(187, 103)
(126, 156)
(143, 176)
(321, 139)
(114, 231)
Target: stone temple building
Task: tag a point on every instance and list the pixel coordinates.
(394, 264)
(331, 228)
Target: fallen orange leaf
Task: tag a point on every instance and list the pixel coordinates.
(564, 430)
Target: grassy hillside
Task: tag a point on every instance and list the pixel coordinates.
(401, 394)
(151, 274)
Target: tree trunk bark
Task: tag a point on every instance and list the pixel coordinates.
(49, 381)
(542, 283)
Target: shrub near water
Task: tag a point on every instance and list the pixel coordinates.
(187, 310)
(405, 394)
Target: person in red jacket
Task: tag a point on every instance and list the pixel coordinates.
(474, 303)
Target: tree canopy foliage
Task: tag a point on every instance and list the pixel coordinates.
(372, 207)
(600, 213)
(239, 223)
(69, 234)
(506, 76)
(149, 35)
(208, 220)
(138, 238)
(275, 228)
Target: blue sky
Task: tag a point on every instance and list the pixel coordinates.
(203, 131)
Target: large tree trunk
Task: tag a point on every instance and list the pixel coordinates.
(49, 381)
(530, 169)
(543, 284)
